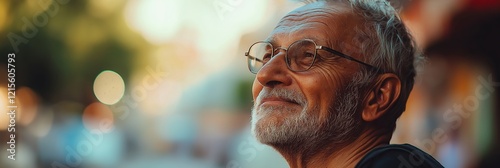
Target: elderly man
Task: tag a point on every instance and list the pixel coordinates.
(332, 78)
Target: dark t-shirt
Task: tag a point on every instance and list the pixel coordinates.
(399, 156)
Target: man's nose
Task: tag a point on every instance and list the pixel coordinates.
(275, 72)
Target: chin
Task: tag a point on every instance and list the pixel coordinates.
(271, 126)
(264, 123)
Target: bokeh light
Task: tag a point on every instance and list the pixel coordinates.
(42, 124)
(28, 105)
(156, 20)
(98, 116)
(109, 87)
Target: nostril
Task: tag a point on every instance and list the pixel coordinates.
(273, 83)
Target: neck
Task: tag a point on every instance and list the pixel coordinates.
(335, 155)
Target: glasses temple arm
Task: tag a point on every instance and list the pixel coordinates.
(348, 57)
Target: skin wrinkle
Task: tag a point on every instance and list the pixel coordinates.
(305, 16)
(281, 31)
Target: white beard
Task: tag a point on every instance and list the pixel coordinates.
(294, 128)
(304, 126)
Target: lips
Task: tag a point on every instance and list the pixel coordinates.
(277, 100)
(280, 97)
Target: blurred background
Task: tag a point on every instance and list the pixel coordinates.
(164, 83)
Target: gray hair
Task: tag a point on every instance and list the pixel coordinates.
(386, 43)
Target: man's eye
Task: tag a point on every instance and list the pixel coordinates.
(309, 54)
(266, 57)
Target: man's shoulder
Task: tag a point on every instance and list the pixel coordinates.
(404, 155)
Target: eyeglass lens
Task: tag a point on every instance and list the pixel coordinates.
(300, 55)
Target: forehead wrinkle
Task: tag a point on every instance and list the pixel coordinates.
(298, 33)
(316, 29)
(302, 16)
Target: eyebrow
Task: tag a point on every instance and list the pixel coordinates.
(274, 41)
(271, 40)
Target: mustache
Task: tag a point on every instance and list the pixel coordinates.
(290, 95)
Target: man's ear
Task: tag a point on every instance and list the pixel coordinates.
(381, 97)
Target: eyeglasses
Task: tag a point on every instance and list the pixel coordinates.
(299, 56)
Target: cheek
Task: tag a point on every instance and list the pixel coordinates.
(256, 88)
(320, 87)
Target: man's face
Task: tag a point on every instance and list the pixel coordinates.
(294, 106)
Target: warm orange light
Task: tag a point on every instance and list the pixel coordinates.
(98, 116)
(28, 105)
